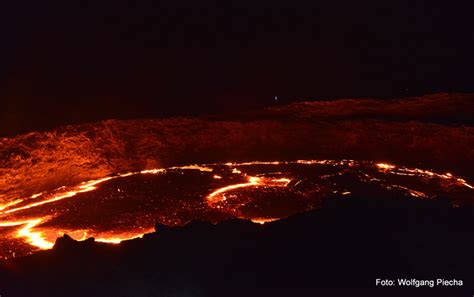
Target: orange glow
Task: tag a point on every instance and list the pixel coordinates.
(464, 183)
(34, 237)
(32, 231)
(282, 180)
(82, 188)
(431, 174)
(311, 162)
(264, 220)
(149, 171)
(118, 238)
(195, 167)
(45, 239)
(417, 194)
(253, 181)
(7, 205)
(385, 166)
(214, 196)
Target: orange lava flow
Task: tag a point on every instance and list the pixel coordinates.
(421, 172)
(30, 230)
(40, 239)
(253, 181)
(264, 220)
(45, 240)
(118, 238)
(85, 187)
(34, 238)
(9, 204)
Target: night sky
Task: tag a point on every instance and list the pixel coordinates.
(78, 61)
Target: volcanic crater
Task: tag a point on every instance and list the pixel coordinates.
(114, 180)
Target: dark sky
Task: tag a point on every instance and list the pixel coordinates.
(77, 61)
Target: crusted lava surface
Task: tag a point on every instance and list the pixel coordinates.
(127, 205)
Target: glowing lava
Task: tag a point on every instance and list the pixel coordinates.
(253, 181)
(127, 205)
(34, 238)
(82, 188)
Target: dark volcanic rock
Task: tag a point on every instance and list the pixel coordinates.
(66, 243)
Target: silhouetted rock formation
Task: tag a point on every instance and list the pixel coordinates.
(66, 243)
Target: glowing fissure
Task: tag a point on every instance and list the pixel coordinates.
(34, 238)
(30, 231)
(253, 181)
(118, 238)
(426, 173)
(264, 220)
(37, 238)
(9, 204)
(87, 187)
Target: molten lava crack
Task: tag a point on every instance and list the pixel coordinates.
(127, 205)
